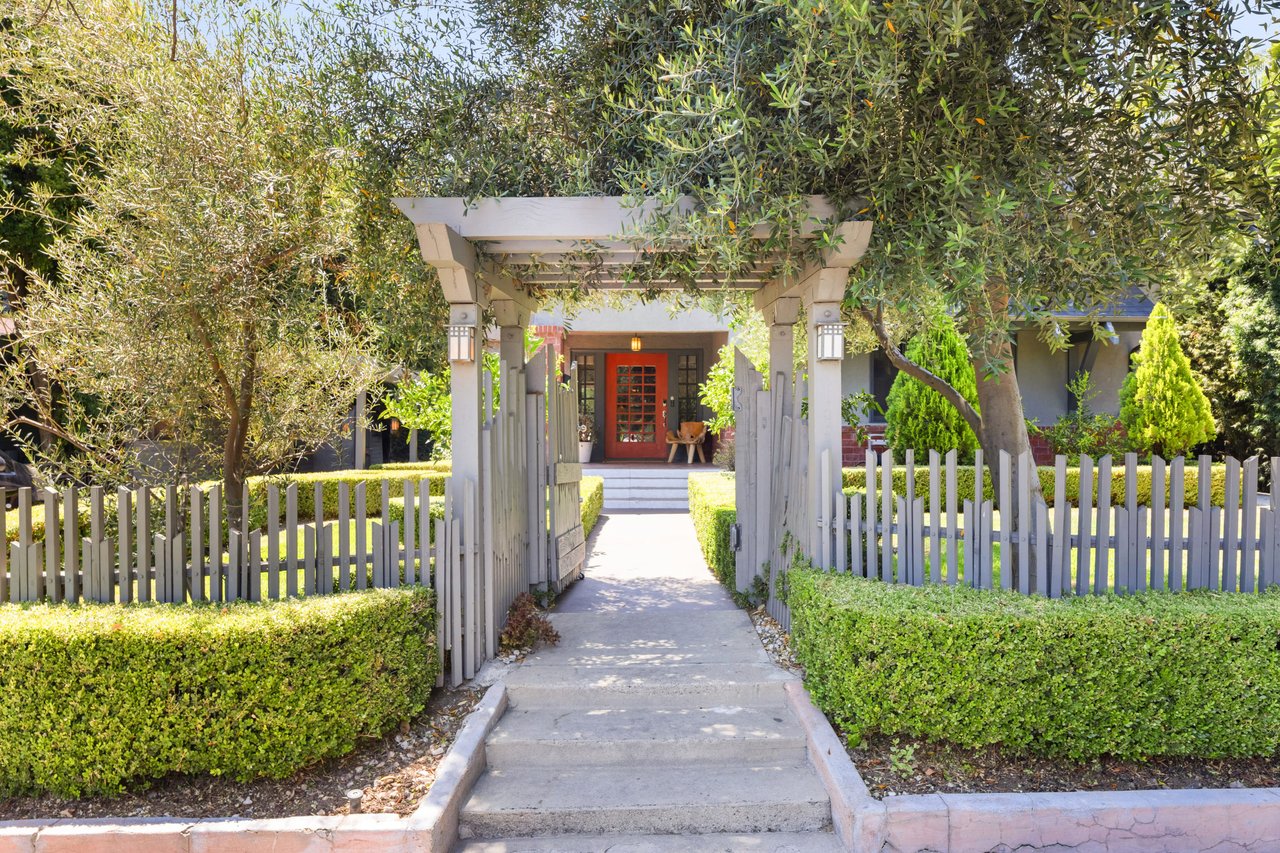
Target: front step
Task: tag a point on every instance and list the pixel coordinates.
(626, 736)
(664, 487)
(663, 685)
(532, 801)
(769, 842)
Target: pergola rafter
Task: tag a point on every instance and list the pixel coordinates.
(497, 253)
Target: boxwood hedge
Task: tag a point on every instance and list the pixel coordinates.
(94, 697)
(592, 491)
(1143, 675)
(711, 508)
(855, 480)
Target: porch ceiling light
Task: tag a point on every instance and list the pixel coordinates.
(830, 341)
(462, 343)
(636, 343)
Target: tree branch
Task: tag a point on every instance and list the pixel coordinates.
(203, 335)
(930, 379)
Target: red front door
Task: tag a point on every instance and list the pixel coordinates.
(635, 422)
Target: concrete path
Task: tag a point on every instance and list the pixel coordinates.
(658, 723)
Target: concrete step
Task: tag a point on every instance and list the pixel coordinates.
(726, 734)
(657, 685)
(767, 842)
(532, 801)
(644, 472)
(631, 505)
(657, 492)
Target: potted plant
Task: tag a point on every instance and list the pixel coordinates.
(586, 438)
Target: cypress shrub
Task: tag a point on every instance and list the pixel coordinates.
(1162, 405)
(918, 418)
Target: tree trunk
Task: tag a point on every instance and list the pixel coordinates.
(1004, 425)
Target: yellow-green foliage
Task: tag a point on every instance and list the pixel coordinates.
(712, 510)
(331, 479)
(1193, 674)
(592, 491)
(1162, 406)
(439, 465)
(855, 480)
(94, 697)
(917, 417)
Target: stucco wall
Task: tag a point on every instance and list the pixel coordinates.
(1109, 370)
(1042, 376)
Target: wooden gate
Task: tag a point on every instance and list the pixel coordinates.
(771, 449)
(558, 551)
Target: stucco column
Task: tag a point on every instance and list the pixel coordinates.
(781, 318)
(824, 428)
(464, 391)
(512, 320)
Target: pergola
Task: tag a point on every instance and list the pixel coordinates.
(494, 252)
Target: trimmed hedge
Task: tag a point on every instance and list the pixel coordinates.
(712, 510)
(855, 480)
(95, 697)
(331, 480)
(1189, 674)
(442, 466)
(592, 491)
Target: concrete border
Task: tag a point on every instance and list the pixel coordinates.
(432, 827)
(1140, 821)
(437, 815)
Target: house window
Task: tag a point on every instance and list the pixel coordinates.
(882, 375)
(586, 386)
(687, 380)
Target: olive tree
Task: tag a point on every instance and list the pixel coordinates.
(200, 296)
(1014, 157)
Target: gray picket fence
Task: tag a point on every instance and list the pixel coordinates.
(1178, 539)
(190, 558)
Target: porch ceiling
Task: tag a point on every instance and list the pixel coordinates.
(514, 245)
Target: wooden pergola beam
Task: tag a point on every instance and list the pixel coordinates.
(569, 218)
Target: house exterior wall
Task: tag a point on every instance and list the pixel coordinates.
(1043, 372)
(1042, 376)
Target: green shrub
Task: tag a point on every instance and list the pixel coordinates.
(1142, 675)
(94, 697)
(1162, 405)
(331, 479)
(918, 417)
(712, 510)
(443, 466)
(855, 480)
(592, 490)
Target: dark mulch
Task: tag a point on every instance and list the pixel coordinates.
(903, 765)
(394, 772)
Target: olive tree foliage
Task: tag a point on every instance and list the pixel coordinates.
(200, 298)
(1014, 157)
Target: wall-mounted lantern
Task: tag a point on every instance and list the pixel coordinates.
(636, 343)
(462, 343)
(830, 341)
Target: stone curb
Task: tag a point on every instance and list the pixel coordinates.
(849, 794)
(1139, 821)
(437, 815)
(432, 827)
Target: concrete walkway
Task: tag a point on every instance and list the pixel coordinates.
(658, 723)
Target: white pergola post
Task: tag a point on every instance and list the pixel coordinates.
(513, 319)
(825, 445)
(464, 391)
(781, 316)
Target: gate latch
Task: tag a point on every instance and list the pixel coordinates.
(735, 537)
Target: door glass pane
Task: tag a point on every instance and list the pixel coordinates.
(637, 404)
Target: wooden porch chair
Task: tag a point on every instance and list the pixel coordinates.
(692, 435)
